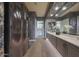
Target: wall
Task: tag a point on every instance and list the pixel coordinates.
(31, 25)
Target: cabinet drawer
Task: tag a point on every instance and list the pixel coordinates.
(53, 41)
(62, 47)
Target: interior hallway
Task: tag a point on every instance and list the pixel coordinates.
(27, 21)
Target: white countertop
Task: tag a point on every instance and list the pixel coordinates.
(66, 37)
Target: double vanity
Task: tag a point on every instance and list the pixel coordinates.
(67, 45)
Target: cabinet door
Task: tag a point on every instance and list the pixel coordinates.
(73, 51)
(53, 40)
(62, 47)
(48, 36)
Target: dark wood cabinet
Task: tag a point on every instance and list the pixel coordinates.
(66, 49)
(61, 47)
(48, 36)
(73, 51)
(52, 39)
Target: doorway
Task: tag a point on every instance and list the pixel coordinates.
(39, 29)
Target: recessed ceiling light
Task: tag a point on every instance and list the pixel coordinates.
(64, 8)
(56, 15)
(51, 15)
(56, 8)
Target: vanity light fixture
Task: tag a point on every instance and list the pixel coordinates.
(64, 8)
(56, 8)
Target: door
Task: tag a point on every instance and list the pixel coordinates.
(62, 47)
(39, 29)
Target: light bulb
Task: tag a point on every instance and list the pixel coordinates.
(64, 8)
(56, 15)
(56, 8)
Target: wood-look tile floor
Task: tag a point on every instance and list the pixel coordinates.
(42, 48)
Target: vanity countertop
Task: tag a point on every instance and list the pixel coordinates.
(67, 37)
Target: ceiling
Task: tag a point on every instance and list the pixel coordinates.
(59, 9)
(38, 7)
(41, 8)
(72, 9)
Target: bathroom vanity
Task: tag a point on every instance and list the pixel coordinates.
(67, 45)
